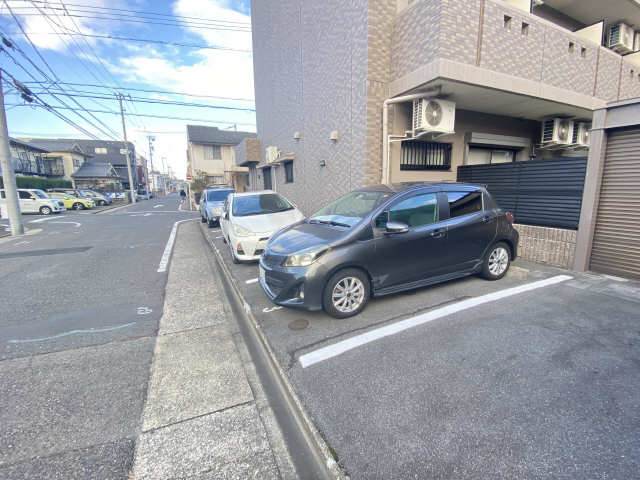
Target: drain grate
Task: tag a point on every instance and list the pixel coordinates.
(299, 324)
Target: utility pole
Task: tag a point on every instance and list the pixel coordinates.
(8, 174)
(164, 177)
(126, 148)
(151, 139)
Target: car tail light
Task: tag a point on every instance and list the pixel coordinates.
(239, 249)
(509, 216)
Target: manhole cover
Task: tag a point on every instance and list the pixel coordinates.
(299, 324)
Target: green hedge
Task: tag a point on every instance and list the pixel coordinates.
(41, 183)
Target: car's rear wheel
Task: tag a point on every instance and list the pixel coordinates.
(102, 203)
(78, 206)
(497, 261)
(45, 210)
(346, 293)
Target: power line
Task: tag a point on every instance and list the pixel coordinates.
(96, 7)
(143, 40)
(148, 100)
(176, 23)
(166, 117)
(168, 92)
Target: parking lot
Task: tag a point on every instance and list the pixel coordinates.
(532, 376)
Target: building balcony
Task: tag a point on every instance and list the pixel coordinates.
(497, 45)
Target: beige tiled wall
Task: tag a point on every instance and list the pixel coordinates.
(552, 246)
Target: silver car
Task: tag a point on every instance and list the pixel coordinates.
(211, 203)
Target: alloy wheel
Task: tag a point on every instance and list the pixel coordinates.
(498, 261)
(348, 294)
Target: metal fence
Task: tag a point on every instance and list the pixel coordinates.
(544, 192)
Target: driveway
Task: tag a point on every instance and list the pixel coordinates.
(534, 376)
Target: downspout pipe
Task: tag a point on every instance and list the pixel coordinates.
(434, 92)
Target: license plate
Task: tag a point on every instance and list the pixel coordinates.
(261, 275)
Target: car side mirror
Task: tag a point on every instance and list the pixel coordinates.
(397, 227)
(226, 215)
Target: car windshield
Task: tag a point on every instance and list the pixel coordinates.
(218, 195)
(259, 205)
(347, 211)
(40, 194)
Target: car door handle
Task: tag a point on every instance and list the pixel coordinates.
(438, 233)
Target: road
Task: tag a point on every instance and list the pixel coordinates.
(81, 300)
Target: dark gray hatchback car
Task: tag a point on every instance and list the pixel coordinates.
(385, 239)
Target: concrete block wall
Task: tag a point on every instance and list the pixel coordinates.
(629, 80)
(551, 246)
(459, 27)
(608, 77)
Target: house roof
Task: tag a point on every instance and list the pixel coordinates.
(23, 143)
(215, 136)
(95, 170)
(55, 145)
(113, 155)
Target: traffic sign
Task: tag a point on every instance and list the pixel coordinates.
(188, 177)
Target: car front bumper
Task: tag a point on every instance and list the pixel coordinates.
(297, 287)
(250, 247)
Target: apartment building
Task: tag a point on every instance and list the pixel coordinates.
(30, 159)
(349, 95)
(211, 150)
(68, 151)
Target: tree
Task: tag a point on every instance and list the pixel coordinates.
(199, 181)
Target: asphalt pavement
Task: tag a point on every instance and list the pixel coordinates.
(81, 300)
(532, 376)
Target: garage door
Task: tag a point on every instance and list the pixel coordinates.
(616, 243)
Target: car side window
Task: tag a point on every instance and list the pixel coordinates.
(464, 203)
(414, 211)
(24, 195)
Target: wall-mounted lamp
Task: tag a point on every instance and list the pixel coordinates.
(296, 135)
(333, 135)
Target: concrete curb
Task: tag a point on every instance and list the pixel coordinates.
(111, 209)
(318, 443)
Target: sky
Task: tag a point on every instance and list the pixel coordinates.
(224, 72)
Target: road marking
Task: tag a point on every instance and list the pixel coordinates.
(45, 219)
(141, 214)
(158, 206)
(219, 236)
(164, 261)
(271, 309)
(253, 280)
(77, 224)
(72, 332)
(144, 311)
(339, 348)
(24, 242)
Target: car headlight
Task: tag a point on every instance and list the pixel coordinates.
(216, 210)
(241, 231)
(304, 258)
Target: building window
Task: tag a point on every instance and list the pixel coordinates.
(507, 22)
(100, 150)
(212, 152)
(489, 156)
(572, 47)
(425, 156)
(583, 52)
(288, 172)
(525, 29)
(266, 173)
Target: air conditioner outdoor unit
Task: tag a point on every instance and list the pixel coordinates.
(271, 154)
(557, 132)
(621, 38)
(580, 136)
(432, 115)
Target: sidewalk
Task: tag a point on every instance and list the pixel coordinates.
(205, 416)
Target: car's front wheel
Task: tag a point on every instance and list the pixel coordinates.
(78, 206)
(45, 210)
(346, 293)
(202, 219)
(497, 261)
(234, 259)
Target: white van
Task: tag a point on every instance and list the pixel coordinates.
(33, 200)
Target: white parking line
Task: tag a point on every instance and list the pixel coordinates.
(253, 280)
(164, 261)
(40, 220)
(158, 206)
(339, 348)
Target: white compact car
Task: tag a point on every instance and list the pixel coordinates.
(249, 219)
(33, 200)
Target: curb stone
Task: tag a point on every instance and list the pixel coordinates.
(319, 443)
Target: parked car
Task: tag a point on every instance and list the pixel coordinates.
(143, 194)
(98, 198)
(385, 239)
(33, 200)
(71, 202)
(71, 191)
(211, 203)
(250, 219)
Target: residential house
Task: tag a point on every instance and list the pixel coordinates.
(73, 157)
(400, 90)
(34, 160)
(211, 150)
(97, 176)
(100, 152)
(143, 173)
